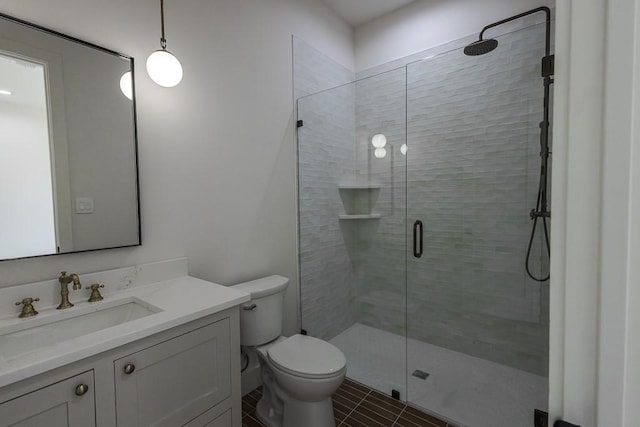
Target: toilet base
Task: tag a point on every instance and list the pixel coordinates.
(266, 414)
(309, 414)
(270, 407)
(297, 413)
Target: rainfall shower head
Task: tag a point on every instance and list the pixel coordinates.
(480, 47)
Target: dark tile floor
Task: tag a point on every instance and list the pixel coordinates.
(355, 405)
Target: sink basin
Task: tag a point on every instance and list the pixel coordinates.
(56, 326)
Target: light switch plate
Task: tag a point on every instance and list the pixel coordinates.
(84, 205)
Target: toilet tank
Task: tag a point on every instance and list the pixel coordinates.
(261, 318)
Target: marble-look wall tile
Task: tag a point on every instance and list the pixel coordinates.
(472, 172)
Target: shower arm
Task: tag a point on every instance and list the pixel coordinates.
(547, 61)
(546, 10)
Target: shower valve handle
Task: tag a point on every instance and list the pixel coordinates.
(538, 214)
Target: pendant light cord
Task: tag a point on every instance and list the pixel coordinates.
(163, 41)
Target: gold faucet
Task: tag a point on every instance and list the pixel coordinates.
(64, 288)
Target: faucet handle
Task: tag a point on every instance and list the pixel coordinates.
(95, 292)
(27, 301)
(27, 307)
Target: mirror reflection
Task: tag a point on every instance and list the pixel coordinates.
(68, 167)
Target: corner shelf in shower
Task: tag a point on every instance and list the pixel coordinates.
(360, 216)
(358, 199)
(353, 186)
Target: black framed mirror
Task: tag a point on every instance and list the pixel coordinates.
(68, 144)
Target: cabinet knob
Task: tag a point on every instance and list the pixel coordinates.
(82, 389)
(129, 368)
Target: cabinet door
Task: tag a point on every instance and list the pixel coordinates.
(208, 419)
(63, 404)
(223, 420)
(173, 382)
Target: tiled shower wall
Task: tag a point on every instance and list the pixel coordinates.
(327, 277)
(472, 173)
(471, 125)
(380, 251)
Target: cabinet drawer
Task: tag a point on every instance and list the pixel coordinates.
(173, 382)
(62, 404)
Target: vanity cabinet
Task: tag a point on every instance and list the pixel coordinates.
(68, 403)
(186, 376)
(166, 384)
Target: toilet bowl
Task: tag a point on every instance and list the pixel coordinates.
(299, 373)
(297, 391)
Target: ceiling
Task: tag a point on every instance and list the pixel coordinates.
(358, 12)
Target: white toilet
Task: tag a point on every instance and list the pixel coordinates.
(299, 373)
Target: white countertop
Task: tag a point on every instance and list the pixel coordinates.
(180, 299)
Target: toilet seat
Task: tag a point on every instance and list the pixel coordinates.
(307, 357)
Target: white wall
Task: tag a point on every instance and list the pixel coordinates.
(576, 201)
(100, 148)
(618, 355)
(424, 24)
(594, 366)
(217, 153)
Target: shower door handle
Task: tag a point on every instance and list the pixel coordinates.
(417, 239)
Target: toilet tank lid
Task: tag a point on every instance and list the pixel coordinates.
(264, 287)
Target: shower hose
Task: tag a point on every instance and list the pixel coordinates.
(540, 212)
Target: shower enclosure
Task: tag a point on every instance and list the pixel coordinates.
(415, 192)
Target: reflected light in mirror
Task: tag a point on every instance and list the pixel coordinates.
(380, 153)
(164, 68)
(126, 85)
(403, 149)
(5, 92)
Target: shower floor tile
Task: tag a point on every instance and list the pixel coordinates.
(356, 405)
(464, 389)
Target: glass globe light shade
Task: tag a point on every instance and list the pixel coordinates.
(379, 140)
(164, 68)
(380, 153)
(126, 86)
(403, 149)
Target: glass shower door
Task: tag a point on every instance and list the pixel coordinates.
(477, 325)
(352, 213)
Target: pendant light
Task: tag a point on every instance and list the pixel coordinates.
(162, 66)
